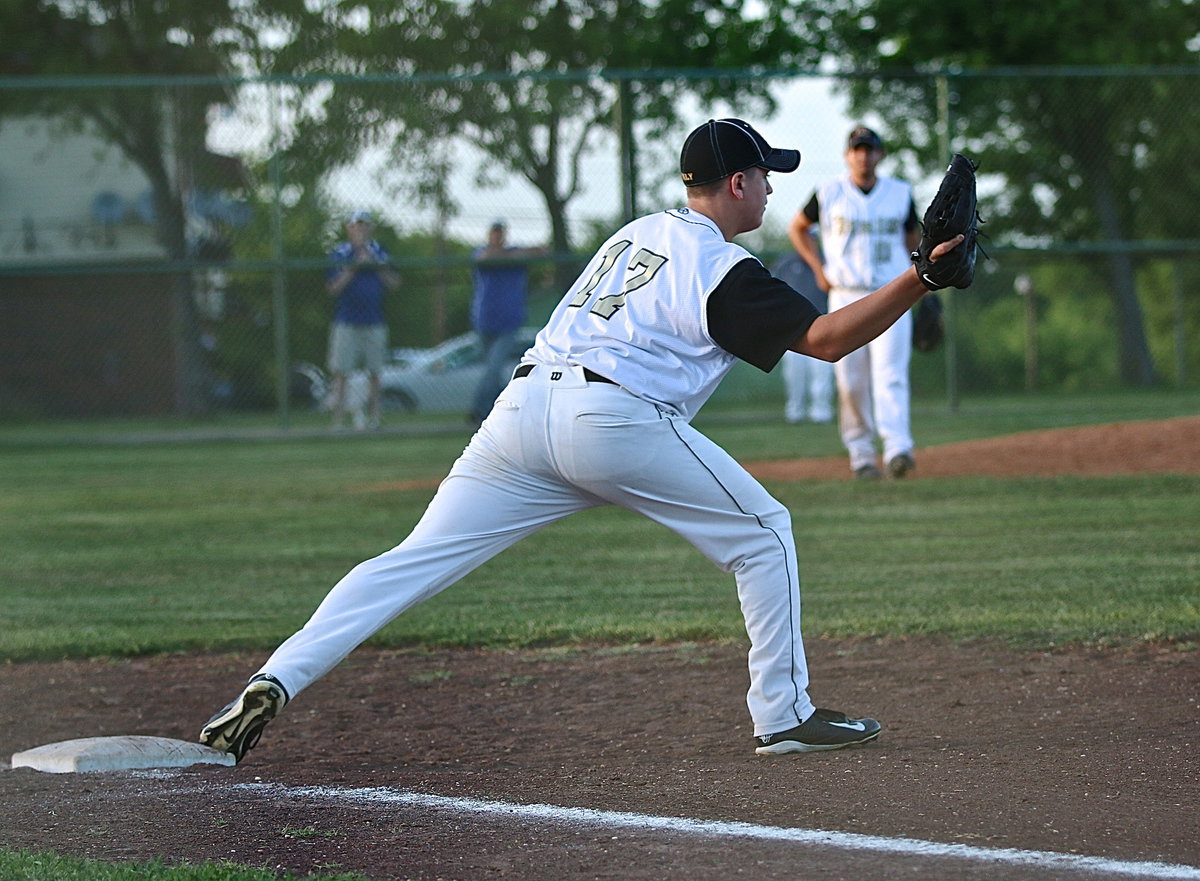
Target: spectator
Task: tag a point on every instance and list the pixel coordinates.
(498, 310)
(359, 275)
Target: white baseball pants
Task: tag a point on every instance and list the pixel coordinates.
(808, 383)
(873, 390)
(554, 445)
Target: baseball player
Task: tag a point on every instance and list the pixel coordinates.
(599, 413)
(868, 228)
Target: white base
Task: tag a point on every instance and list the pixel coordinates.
(121, 753)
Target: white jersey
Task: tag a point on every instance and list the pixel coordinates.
(637, 313)
(862, 234)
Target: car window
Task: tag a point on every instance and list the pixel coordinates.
(520, 345)
(465, 356)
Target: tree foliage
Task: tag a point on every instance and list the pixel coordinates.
(548, 106)
(1085, 158)
(159, 128)
(153, 125)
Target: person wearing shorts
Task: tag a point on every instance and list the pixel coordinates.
(359, 275)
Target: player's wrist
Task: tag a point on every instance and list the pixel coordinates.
(921, 285)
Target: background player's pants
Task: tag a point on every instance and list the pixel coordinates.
(873, 391)
(497, 352)
(554, 445)
(808, 383)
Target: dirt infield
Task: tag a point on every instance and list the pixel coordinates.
(1082, 753)
(1171, 446)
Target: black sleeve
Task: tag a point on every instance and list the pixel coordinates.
(911, 221)
(813, 209)
(755, 316)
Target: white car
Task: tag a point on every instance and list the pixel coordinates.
(442, 379)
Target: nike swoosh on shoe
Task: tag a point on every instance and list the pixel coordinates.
(853, 726)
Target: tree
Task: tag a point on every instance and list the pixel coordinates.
(1081, 154)
(522, 82)
(159, 127)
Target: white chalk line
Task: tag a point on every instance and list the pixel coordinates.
(682, 825)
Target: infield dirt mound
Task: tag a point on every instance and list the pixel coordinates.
(1169, 446)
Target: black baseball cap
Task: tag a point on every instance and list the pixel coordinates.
(864, 136)
(722, 147)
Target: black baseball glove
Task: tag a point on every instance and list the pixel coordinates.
(952, 211)
(928, 325)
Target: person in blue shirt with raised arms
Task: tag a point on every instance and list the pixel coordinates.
(501, 277)
(359, 275)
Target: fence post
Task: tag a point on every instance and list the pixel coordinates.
(943, 114)
(441, 287)
(1180, 332)
(279, 305)
(629, 185)
(1024, 288)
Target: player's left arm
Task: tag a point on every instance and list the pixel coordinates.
(755, 316)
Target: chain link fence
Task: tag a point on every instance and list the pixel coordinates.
(163, 243)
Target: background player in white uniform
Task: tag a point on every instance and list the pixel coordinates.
(868, 227)
(598, 413)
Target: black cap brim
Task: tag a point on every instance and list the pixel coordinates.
(784, 161)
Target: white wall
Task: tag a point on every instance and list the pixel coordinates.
(49, 182)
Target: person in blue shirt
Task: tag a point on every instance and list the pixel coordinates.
(358, 277)
(501, 278)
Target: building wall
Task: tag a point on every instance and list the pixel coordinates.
(68, 197)
(73, 342)
(86, 345)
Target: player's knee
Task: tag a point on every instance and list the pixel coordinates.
(774, 535)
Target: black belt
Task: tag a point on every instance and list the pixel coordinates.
(589, 375)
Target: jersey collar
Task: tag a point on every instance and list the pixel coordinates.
(691, 215)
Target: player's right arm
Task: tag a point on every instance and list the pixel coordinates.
(341, 270)
(338, 281)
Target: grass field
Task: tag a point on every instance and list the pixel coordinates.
(129, 548)
(127, 538)
(26, 866)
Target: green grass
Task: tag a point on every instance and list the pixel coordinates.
(1039, 562)
(30, 866)
(131, 548)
